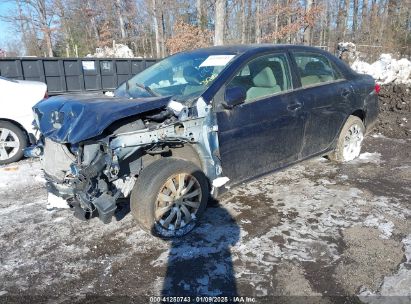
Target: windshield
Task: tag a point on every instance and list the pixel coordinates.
(183, 76)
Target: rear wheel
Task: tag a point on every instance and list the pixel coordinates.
(169, 196)
(12, 142)
(350, 141)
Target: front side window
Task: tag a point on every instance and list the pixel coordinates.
(315, 69)
(264, 76)
(184, 76)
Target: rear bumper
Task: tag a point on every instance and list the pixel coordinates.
(371, 111)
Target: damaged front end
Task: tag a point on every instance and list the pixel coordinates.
(93, 173)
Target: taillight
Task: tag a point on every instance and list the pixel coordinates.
(46, 95)
(377, 88)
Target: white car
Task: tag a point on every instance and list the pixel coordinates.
(17, 97)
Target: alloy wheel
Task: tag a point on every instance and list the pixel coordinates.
(9, 144)
(352, 142)
(178, 201)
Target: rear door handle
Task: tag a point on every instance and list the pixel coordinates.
(294, 106)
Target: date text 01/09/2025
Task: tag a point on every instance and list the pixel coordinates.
(198, 299)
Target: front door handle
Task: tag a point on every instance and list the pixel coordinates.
(345, 92)
(294, 106)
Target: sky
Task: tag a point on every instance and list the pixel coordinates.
(5, 28)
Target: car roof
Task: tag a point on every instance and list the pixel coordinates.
(256, 48)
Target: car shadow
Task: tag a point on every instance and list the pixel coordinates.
(123, 208)
(200, 263)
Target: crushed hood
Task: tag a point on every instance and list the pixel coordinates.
(75, 118)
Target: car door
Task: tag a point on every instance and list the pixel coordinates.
(326, 96)
(265, 132)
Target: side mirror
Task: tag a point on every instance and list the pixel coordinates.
(234, 96)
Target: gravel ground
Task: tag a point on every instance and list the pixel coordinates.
(317, 232)
(314, 232)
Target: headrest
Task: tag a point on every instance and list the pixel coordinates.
(265, 78)
(275, 65)
(315, 66)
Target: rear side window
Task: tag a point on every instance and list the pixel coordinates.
(264, 76)
(315, 69)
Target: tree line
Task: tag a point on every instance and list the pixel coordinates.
(157, 28)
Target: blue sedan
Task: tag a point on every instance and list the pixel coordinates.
(197, 123)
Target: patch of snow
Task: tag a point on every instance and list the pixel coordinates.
(326, 182)
(116, 51)
(385, 227)
(397, 286)
(386, 69)
(59, 219)
(379, 135)
(19, 174)
(367, 157)
(55, 202)
(40, 179)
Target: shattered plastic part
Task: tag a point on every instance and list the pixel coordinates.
(175, 106)
(220, 181)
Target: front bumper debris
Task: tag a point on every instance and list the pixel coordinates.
(33, 151)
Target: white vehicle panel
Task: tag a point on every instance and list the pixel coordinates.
(17, 99)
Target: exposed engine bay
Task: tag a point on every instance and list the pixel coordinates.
(93, 174)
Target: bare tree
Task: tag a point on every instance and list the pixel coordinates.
(258, 21)
(307, 32)
(355, 18)
(364, 17)
(346, 14)
(120, 18)
(220, 6)
(43, 18)
(243, 21)
(201, 14)
(156, 28)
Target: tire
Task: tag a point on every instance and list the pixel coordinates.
(349, 141)
(153, 200)
(11, 134)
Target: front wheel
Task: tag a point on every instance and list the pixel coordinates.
(12, 142)
(350, 141)
(169, 196)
